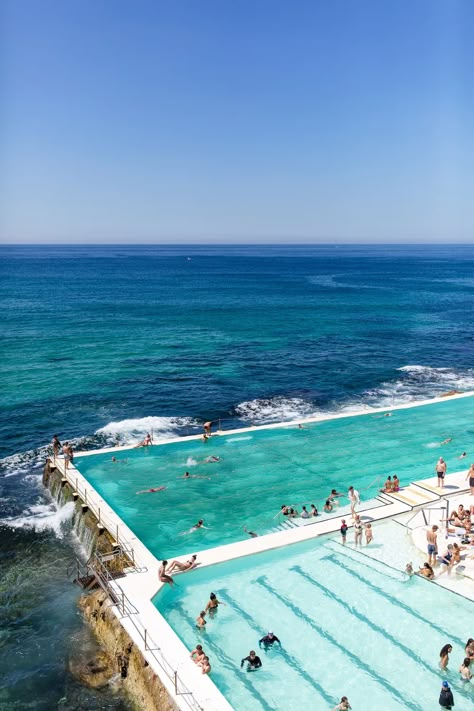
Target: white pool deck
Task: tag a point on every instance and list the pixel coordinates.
(140, 587)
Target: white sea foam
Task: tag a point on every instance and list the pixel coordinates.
(191, 462)
(274, 409)
(128, 431)
(42, 517)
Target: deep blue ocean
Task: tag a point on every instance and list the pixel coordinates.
(103, 343)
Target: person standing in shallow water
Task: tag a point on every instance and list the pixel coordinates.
(446, 699)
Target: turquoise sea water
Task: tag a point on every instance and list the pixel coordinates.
(260, 470)
(349, 625)
(100, 343)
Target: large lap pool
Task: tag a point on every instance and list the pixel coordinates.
(349, 625)
(262, 469)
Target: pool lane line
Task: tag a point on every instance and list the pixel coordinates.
(385, 634)
(282, 652)
(332, 558)
(262, 580)
(227, 661)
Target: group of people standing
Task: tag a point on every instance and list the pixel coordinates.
(66, 448)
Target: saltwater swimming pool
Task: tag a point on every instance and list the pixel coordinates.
(349, 625)
(262, 469)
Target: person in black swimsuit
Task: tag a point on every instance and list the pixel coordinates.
(253, 662)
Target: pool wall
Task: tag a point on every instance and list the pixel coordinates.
(159, 645)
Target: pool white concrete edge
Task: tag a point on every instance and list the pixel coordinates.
(293, 423)
(141, 587)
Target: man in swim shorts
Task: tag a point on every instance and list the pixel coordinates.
(432, 540)
(440, 471)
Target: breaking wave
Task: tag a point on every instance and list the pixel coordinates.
(42, 517)
(162, 428)
(417, 382)
(275, 409)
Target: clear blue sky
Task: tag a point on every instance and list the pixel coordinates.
(253, 120)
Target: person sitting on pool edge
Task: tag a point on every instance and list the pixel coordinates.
(253, 662)
(268, 641)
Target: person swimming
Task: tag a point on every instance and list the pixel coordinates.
(187, 475)
(151, 491)
(211, 459)
(199, 524)
(252, 534)
(328, 506)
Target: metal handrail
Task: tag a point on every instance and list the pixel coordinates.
(102, 519)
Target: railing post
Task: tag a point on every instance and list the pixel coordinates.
(85, 496)
(176, 683)
(123, 603)
(146, 643)
(117, 536)
(99, 516)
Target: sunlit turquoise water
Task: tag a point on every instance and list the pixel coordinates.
(105, 342)
(260, 470)
(348, 624)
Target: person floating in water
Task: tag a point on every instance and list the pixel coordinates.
(151, 491)
(327, 506)
(334, 496)
(211, 460)
(447, 440)
(187, 475)
(250, 533)
(253, 661)
(182, 567)
(409, 569)
(343, 705)
(268, 641)
(145, 442)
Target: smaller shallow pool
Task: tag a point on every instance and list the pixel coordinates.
(349, 624)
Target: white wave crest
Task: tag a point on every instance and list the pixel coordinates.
(422, 369)
(275, 409)
(163, 428)
(42, 517)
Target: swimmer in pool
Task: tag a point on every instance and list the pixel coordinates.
(253, 662)
(187, 475)
(461, 456)
(199, 524)
(250, 533)
(447, 440)
(151, 491)
(327, 506)
(211, 459)
(213, 605)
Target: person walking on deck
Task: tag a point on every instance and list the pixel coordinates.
(354, 499)
(432, 541)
